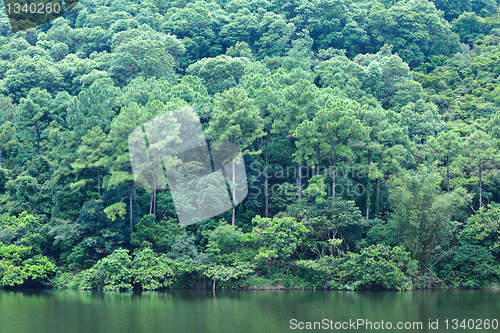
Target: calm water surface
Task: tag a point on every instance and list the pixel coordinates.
(197, 311)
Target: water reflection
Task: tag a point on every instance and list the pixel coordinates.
(202, 311)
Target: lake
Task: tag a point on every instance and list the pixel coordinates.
(202, 311)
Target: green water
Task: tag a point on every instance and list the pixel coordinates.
(186, 311)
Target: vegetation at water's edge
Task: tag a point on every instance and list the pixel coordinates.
(393, 104)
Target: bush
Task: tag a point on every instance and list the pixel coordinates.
(470, 266)
(376, 267)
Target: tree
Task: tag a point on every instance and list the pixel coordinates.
(220, 73)
(483, 229)
(385, 151)
(152, 271)
(141, 57)
(335, 225)
(224, 273)
(278, 238)
(420, 214)
(31, 72)
(159, 235)
(298, 100)
(481, 149)
(34, 114)
(90, 153)
(95, 106)
(378, 267)
(117, 158)
(236, 120)
(224, 240)
(468, 26)
(276, 35)
(18, 265)
(332, 133)
(443, 150)
(8, 139)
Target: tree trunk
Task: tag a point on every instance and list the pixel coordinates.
(368, 190)
(151, 204)
(334, 171)
(234, 191)
(266, 184)
(447, 178)
(299, 180)
(368, 201)
(213, 285)
(448, 184)
(130, 207)
(182, 153)
(480, 188)
(317, 167)
(333, 181)
(259, 145)
(37, 140)
(98, 182)
(154, 183)
(377, 196)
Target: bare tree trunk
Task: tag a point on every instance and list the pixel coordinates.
(151, 204)
(333, 181)
(368, 190)
(299, 180)
(213, 285)
(448, 183)
(37, 140)
(480, 188)
(317, 167)
(130, 207)
(234, 191)
(368, 202)
(447, 178)
(98, 182)
(154, 202)
(154, 184)
(266, 184)
(334, 171)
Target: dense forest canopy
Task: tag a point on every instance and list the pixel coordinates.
(370, 132)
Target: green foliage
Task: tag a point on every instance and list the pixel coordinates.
(18, 265)
(160, 236)
(335, 225)
(423, 214)
(381, 233)
(152, 271)
(224, 273)
(398, 100)
(375, 267)
(468, 26)
(220, 73)
(378, 267)
(471, 266)
(284, 195)
(483, 229)
(277, 239)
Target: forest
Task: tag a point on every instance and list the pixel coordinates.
(370, 132)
